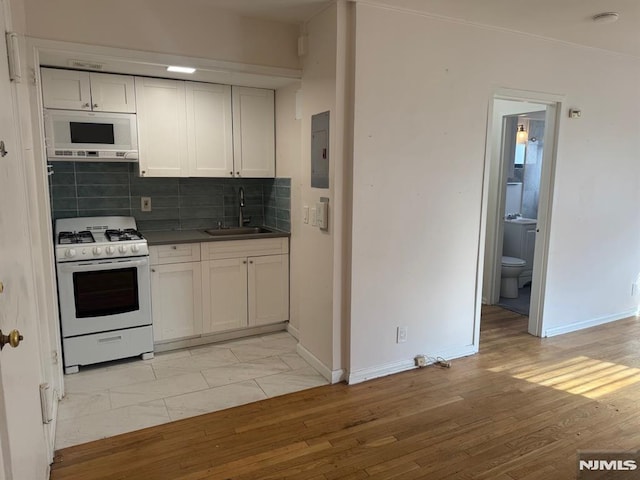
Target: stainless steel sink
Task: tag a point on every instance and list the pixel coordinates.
(217, 232)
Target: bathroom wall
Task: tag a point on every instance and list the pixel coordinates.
(532, 169)
(105, 188)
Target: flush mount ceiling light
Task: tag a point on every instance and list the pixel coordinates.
(521, 136)
(606, 17)
(173, 68)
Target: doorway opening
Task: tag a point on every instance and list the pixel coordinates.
(519, 174)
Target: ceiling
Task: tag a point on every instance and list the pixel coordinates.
(567, 20)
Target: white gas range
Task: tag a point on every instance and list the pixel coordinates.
(103, 289)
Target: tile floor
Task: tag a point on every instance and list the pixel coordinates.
(129, 395)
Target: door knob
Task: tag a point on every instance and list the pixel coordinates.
(3, 150)
(14, 338)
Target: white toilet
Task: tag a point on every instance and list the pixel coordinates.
(511, 268)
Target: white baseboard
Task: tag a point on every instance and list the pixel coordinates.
(293, 331)
(332, 376)
(574, 327)
(370, 373)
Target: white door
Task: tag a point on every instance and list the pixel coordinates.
(253, 132)
(268, 289)
(23, 451)
(112, 93)
(66, 89)
(209, 130)
(176, 300)
(224, 286)
(162, 127)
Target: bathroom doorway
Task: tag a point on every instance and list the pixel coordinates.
(519, 168)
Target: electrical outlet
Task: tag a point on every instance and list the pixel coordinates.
(314, 218)
(421, 361)
(305, 214)
(401, 335)
(145, 204)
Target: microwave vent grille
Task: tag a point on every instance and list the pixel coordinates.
(87, 65)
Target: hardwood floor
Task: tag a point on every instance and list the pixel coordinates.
(519, 410)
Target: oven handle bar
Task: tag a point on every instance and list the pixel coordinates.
(85, 267)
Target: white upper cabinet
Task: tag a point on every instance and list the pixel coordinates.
(162, 127)
(253, 132)
(75, 90)
(209, 132)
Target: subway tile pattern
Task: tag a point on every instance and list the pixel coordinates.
(114, 188)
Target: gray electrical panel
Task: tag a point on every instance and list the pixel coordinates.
(320, 150)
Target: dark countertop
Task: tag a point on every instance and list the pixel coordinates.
(195, 236)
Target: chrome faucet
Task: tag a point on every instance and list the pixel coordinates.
(241, 220)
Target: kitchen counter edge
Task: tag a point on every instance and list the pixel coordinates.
(197, 236)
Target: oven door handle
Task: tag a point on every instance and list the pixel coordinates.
(71, 267)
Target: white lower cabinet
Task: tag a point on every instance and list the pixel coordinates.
(237, 284)
(245, 283)
(224, 284)
(176, 291)
(268, 289)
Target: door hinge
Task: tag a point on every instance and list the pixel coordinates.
(45, 402)
(13, 54)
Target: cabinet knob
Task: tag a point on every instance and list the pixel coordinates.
(174, 247)
(85, 105)
(153, 270)
(250, 261)
(237, 174)
(231, 173)
(143, 172)
(95, 105)
(244, 261)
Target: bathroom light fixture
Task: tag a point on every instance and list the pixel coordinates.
(521, 135)
(173, 68)
(606, 17)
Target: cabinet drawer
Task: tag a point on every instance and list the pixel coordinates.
(244, 248)
(177, 253)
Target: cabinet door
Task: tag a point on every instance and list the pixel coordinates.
(66, 89)
(224, 286)
(176, 300)
(268, 289)
(112, 93)
(162, 127)
(253, 132)
(209, 130)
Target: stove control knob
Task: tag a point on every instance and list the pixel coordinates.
(97, 250)
(70, 253)
(122, 248)
(110, 250)
(135, 248)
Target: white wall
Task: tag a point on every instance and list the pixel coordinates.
(324, 254)
(422, 89)
(187, 27)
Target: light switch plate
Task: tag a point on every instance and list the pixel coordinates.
(305, 214)
(314, 218)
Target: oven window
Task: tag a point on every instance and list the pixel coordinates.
(83, 132)
(105, 292)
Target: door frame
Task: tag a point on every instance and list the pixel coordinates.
(554, 104)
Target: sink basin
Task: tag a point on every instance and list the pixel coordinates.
(221, 232)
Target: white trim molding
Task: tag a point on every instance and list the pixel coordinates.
(364, 374)
(293, 331)
(574, 327)
(333, 376)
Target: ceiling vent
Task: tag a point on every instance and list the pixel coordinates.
(85, 65)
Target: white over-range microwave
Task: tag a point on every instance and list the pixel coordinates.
(91, 136)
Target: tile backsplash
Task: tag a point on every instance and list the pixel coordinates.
(105, 188)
